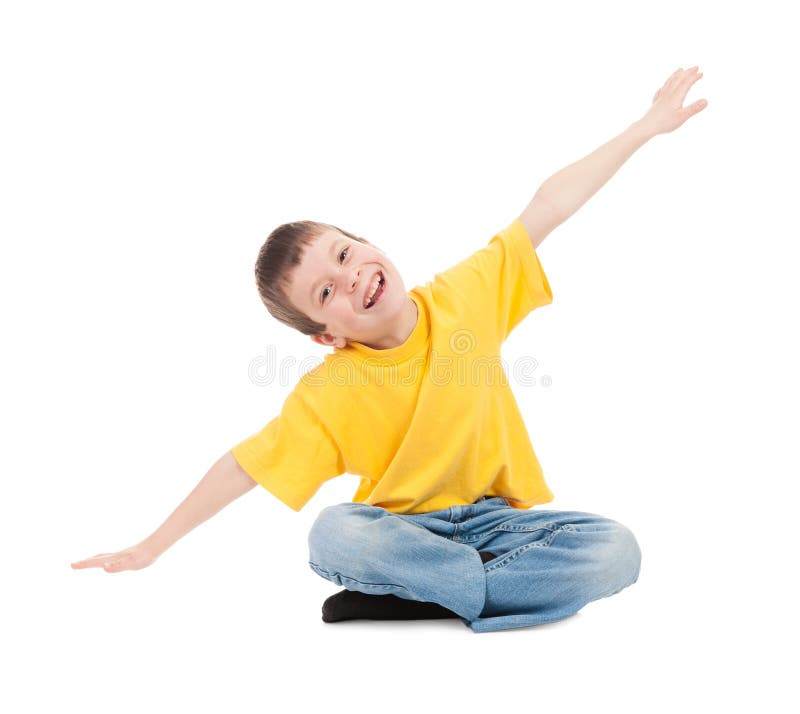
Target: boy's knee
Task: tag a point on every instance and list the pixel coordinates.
(336, 538)
(627, 556)
(324, 531)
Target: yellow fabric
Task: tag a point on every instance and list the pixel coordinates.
(428, 424)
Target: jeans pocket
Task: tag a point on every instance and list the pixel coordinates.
(535, 537)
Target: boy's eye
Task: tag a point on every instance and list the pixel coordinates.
(344, 251)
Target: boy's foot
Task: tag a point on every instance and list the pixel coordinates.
(355, 605)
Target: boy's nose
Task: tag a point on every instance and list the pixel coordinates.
(354, 279)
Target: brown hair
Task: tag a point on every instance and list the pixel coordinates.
(281, 253)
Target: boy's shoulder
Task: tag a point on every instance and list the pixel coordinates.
(335, 370)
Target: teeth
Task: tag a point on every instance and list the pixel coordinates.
(375, 283)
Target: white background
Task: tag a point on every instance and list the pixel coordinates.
(147, 151)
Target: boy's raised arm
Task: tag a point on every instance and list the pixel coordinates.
(566, 191)
(224, 483)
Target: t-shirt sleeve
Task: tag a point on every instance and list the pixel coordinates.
(501, 283)
(293, 455)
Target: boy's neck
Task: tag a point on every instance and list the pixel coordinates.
(400, 333)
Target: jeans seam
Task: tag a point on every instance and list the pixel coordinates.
(501, 562)
(328, 574)
(520, 529)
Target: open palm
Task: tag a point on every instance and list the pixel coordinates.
(135, 558)
(668, 112)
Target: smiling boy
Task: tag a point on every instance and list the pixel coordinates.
(443, 522)
(332, 287)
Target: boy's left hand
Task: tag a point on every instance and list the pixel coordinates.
(668, 112)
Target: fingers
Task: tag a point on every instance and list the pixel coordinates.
(679, 83)
(690, 77)
(101, 560)
(92, 562)
(686, 84)
(681, 77)
(698, 106)
(674, 75)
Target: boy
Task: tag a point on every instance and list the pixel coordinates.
(442, 523)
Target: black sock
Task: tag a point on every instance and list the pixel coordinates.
(355, 605)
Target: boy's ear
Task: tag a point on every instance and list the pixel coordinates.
(328, 340)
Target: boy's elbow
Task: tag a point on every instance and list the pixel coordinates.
(540, 217)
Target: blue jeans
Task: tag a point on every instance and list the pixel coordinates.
(549, 564)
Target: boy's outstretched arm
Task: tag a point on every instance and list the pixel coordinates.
(224, 482)
(566, 191)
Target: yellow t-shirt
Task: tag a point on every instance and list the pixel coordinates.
(429, 424)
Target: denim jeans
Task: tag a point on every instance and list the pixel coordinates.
(549, 564)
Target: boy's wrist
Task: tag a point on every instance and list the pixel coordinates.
(157, 543)
(643, 129)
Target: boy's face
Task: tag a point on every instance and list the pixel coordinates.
(331, 285)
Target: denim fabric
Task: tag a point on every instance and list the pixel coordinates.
(549, 564)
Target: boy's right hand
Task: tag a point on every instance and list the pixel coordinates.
(135, 558)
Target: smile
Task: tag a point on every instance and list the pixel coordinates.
(375, 294)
